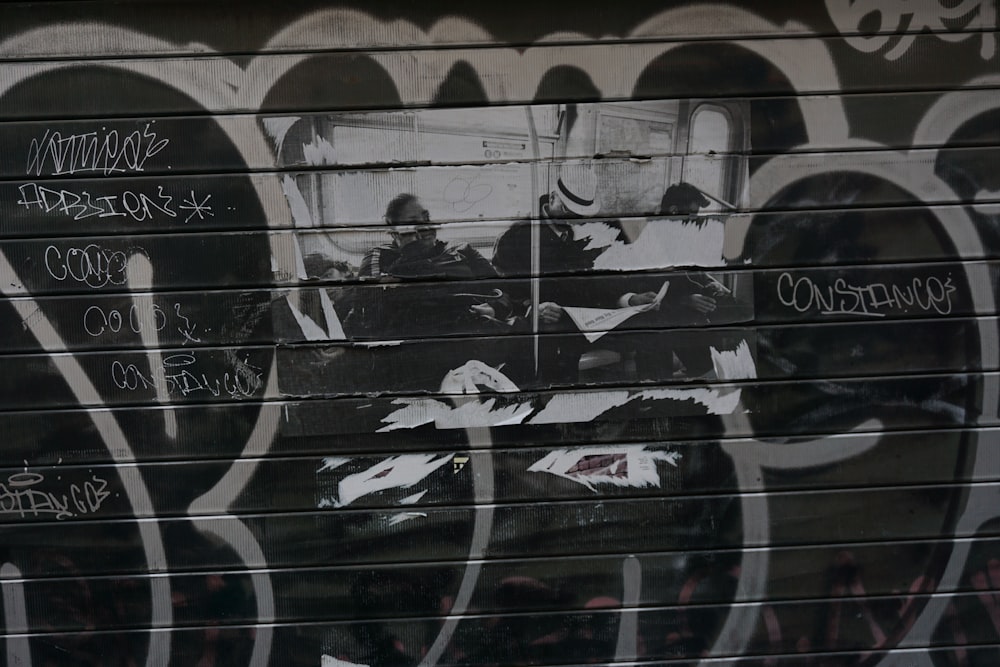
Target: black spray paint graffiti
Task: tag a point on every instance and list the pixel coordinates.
(609, 624)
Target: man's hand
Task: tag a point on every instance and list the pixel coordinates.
(717, 289)
(549, 312)
(703, 304)
(643, 299)
(483, 310)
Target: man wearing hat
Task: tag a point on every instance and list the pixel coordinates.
(574, 196)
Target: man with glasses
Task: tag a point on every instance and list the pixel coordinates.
(444, 304)
(416, 252)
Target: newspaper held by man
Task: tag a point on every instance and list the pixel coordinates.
(595, 322)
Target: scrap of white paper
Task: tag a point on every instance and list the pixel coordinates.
(399, 518)
(735, 364)
(330, 661)
(333, 326)
(664, 243)
(310, 329)
(401, 471)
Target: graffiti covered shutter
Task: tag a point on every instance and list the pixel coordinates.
(346, 335)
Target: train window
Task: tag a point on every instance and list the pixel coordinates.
(635, 130)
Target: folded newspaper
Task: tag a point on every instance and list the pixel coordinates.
(595, 322)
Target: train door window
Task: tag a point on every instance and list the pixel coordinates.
(709, 150)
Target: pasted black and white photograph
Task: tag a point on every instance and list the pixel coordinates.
(534, 237)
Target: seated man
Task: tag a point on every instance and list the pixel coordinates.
(454, 301)
(694, 300)
(701, 292)
(416, 252)
(574, 197)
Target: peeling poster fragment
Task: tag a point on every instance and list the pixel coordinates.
(626, 465)
(330, 661)
(401, 472)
